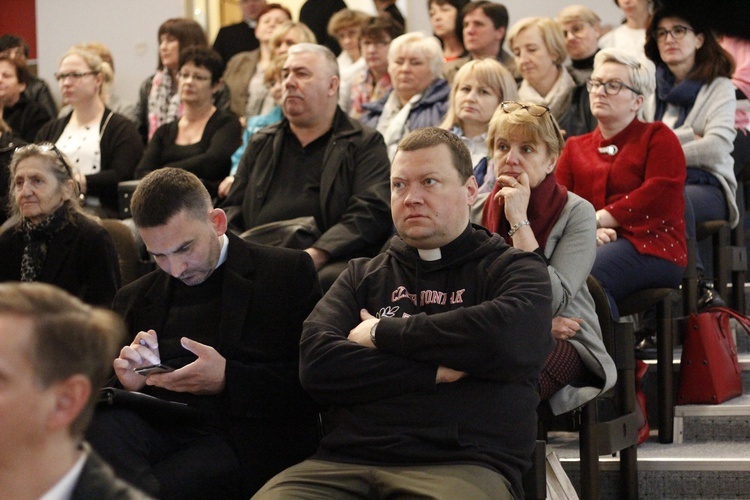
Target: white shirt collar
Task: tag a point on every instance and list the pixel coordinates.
(224, 250)
(63, 489)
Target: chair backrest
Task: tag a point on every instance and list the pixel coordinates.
(603, 312)
(131, 265)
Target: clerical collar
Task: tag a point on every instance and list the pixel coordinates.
(430, 255)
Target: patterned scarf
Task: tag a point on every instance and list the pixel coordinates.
(557, 99)
(37, 237)
(164, 104)
(683, 94)
(366, 89)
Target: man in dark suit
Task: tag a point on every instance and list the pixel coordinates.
(226, 315)
(240, 37)
(55, 352)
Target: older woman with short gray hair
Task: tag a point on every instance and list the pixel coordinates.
(420, 95)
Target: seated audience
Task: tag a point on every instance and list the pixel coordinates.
(346, 27)
(631, 34)
(447, 24)
(104, 147)
(539, 47)
(477, 90)
(50, 239)
(109, 94)
(484, 27)
(634, 174)
(55, 353)
(436, 343)
(695, 98)
(420, 95)
(226, 315)
(244, 73)
(203, 139)
(9, 142)
(373, 82)
(581, 28)
(159, 99)
(316, 14)
(23, 116)
(37, 89)
(316, 163)
(273, 80)
(532, 212)
(240, 37)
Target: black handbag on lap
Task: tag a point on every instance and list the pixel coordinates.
(299, 233)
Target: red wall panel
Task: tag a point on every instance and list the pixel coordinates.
(19, 17)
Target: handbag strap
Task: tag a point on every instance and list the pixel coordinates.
(742, 320)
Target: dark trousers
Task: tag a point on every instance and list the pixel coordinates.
(164, 459)
(704, 201)
(622, 271)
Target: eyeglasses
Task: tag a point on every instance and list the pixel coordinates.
(194, 76)
(532, 109)
(75, 76)
(611, 87)
(678, 32)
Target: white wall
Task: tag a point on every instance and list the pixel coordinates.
(128, 28)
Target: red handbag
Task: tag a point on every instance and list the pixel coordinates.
(709, 370)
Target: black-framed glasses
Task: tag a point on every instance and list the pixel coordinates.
(74, 75)
(611, 87)
(532, 109)
(678, 32)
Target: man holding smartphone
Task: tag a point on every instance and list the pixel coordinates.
(226, 315)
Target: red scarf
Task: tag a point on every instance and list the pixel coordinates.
(546, 203)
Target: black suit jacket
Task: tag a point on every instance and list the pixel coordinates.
(98, 480)
(234, 39)
(81, 259)
(267, 294)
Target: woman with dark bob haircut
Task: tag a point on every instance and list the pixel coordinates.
(203, 139)
(695, 98)
(159, 101)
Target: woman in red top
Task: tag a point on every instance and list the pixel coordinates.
(633, 173)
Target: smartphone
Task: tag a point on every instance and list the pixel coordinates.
(150, 370)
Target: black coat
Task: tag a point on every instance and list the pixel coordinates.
(267, 294)
(81, 259)
(97, 480)
(234, 39)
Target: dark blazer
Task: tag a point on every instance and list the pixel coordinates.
(97, 480)
(121, 150)
(81, 259)
(267, 294)
(234, 39)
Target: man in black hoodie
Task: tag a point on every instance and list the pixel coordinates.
(428, 355)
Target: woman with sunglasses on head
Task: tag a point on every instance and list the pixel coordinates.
(103, 146)
(695, 98)
(534, 213)
(48, 238)
(203, 139)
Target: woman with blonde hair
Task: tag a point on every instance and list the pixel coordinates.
(478, 88)
(532, 212)
(538, 45)
(103, 146)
